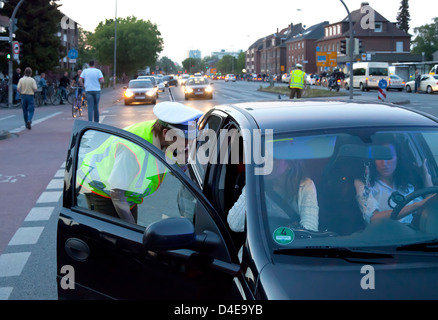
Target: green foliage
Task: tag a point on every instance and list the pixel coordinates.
(193, 65)
(403, 16)
(426, 39)
(226, 65)
(167, 65)
(38, 25)
(138, 44)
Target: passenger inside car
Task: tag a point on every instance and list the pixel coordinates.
(385, 176)
(290, 196)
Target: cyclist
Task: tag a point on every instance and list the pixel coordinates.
(75, 83)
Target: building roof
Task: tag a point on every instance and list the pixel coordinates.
(314, 32)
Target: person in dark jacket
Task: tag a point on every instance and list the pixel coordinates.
(64, 83)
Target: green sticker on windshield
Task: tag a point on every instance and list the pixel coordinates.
(284, 236)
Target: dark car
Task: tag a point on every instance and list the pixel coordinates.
(140, 91)
(170, 81)
(182, 246)
(198, 87)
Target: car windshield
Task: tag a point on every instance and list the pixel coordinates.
(332, 189)
(197, 81)
(141, 84)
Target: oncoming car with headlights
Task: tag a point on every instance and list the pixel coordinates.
(306, 179)
(198, 87)
(140, 91)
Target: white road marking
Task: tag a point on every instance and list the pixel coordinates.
(26, 236)
(49, 196)
(11, 264)
(40, 214)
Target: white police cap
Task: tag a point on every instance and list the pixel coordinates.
(175, 115)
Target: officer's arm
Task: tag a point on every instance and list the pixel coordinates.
(124, 171)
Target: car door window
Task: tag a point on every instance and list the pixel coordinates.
(114, 173)
(209, 127)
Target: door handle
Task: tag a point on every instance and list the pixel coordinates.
(77, 249)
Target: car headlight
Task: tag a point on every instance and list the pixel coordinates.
(189, 90)
(209, 89)
(150, 93)
(128, 94)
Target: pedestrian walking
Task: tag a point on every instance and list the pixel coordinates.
(417, 81)
(27, 87)
(297, 82)
(15, 78)
(91, 78)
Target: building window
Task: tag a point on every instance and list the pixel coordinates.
(378, 27)
(339, 29)
(399, 46)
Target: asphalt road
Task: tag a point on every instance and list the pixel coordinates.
(31, 175)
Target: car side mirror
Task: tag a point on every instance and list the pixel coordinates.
(177, 233)
(169, 234)
(125, 87)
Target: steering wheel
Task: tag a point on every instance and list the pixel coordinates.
(402, 201)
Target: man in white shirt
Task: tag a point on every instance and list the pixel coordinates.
(91, 79)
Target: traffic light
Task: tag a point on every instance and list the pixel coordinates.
(343, 49)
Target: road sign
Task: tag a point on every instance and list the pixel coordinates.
(383, 84)
(15, 47)
(332, 58)
(73, 54)
(321, 59)
(381, 94)
(4, 38)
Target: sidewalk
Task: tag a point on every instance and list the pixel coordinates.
(108, 96)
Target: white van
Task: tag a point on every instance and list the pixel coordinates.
(366, 75)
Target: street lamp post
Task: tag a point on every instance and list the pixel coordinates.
(350, 50)
(115, 49)
(10, 63)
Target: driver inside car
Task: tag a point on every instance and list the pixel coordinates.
(382, 178)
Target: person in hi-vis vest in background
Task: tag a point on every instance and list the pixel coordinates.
(119, 174)
(297, 82)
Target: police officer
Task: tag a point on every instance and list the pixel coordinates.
(119, 174)
(297, 82)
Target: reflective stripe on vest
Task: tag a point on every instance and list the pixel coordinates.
(297, 79)
(97, 166)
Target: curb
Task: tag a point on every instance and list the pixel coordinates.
(6, 134)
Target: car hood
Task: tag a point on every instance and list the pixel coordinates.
(135, 90)
(336, 280)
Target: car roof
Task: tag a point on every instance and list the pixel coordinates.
(287, 116)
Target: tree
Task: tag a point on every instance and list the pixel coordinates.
(38, 23)
(167, 65)
(403, 16)
(227, 64)
(85, 52)
(138, 44)
(192, 65)
(426, 40)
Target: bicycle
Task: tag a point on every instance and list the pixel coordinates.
(78, 103)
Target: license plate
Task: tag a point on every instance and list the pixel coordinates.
(199, 92)
(140, 97)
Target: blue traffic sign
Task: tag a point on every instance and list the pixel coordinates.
(73, 54)
(383, 84)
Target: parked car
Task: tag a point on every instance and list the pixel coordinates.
(182, 245)
(198, 87)
(140, 91)
(396, 82)
(230, 77)
(428, 84)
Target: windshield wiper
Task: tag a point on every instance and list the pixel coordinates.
(426, 246)
(335, 252)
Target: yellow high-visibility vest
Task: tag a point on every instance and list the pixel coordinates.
(97, 166)
(297, 79)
